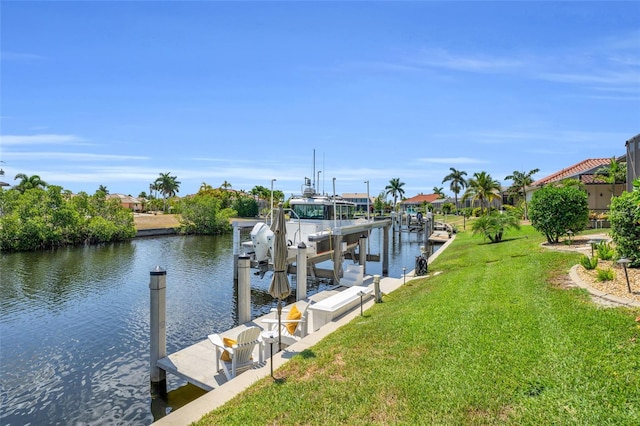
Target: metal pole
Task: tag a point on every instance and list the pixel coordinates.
(319, 171)
(271, 206)
(385, 251)
(368, 199)
(236, 250)
(335, 224)
(301, 272)
(244, 290)
(158, 335)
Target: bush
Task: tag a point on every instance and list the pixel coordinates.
(589, 262)
(624, 216)
(492, 226)
(605, 251)
(555, 210)
(605, 274)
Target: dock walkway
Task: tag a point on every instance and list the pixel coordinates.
(196, 364)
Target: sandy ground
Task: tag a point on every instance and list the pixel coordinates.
(152, 221)
(617, 286)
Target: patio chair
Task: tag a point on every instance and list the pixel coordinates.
(293, 326)
(235, 355)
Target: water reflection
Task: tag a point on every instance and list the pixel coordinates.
(74, 323)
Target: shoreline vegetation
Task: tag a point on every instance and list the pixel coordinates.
(492, 335)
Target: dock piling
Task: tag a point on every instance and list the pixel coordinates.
(244, 289)
(158, 344)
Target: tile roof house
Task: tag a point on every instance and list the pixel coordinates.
(599, 192)
(416, 202)
(127, 201)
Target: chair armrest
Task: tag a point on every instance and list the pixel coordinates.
(275, 322)
(216, 340)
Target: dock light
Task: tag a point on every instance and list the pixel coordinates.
(593, 244)
(404, 275)
(624, 262)
(361, 294)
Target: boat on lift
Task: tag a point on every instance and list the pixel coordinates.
(312, 219)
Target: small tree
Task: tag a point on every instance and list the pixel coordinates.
(555, 210)
(493, 225)
(624, 216)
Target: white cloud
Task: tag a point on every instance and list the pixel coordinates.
(452, 160)
(41, 139)
(71, 156)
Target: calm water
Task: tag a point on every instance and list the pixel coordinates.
(74, 324)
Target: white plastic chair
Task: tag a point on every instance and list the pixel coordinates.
(287, 337)
(240, 353)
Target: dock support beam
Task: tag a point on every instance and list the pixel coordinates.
(301, 272)
(158, 344)
(244, 289)
(385, 251)
(337, 258)
(362, 250)
(236, 251)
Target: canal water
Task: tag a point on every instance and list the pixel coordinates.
(74, 323)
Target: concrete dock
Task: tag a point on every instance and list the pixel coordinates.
(196, 364)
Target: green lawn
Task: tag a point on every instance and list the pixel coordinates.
(490, 340)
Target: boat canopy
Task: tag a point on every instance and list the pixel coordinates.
(321, 208)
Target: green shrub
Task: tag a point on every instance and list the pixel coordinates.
(605, 251)
(492, 226)
(555, 210)
(589, 262)
(624, 216)
(605, 274)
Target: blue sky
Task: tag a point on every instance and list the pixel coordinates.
(114, 93)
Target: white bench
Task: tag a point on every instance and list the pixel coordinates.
(354, 275)
(333, 306)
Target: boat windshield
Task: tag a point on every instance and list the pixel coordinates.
(323, 212)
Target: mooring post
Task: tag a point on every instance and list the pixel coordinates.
(301, 272)
(244, 289)
(158, 294)
(376, 288)
(362, 248)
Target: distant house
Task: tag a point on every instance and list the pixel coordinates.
(360, 199)
(599, 192)
(414, 203)
(127, 201)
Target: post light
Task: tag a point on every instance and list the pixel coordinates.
(361, 294)
(368, 198)
(593, 243)
(271, 207)
(570, 234)
(404, 275)
(624, 262)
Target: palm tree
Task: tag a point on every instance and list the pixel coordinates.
(520, 181)
(458, 182)
(612, 174)
(395, 189)
(29, 182)
(225, 185)
(104, 189)
(439, 191)
(168, 186)
(482, 187)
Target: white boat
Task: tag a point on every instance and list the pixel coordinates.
(312, 219)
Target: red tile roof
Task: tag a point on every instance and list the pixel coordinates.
(421, 198)
(584, 167)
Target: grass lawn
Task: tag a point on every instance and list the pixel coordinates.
(491, 340)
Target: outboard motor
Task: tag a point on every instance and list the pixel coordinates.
(262, 239)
